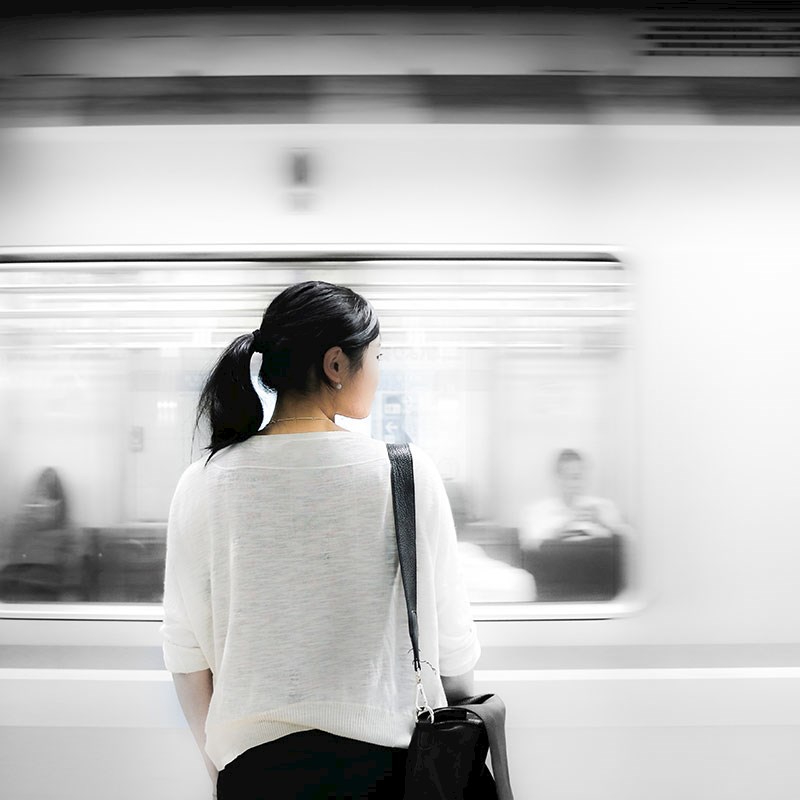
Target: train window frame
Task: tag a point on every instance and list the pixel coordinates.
(629, 601)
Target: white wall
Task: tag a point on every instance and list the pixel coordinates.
(727, 734)
(707, 218)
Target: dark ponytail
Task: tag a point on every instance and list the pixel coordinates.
(298, 327)
(228, 400)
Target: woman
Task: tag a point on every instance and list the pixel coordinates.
(285, 624)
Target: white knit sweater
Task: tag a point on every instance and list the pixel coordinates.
(282, 577)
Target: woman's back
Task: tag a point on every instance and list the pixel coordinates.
(284, 550)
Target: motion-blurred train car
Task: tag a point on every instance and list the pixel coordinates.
(578, 228)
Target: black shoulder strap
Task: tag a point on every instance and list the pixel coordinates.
(405, 524)
(492, 710)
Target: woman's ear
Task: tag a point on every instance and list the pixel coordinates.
(334, 365)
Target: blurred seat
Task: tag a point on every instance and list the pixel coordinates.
(45, 565)
(575, 569)
(498, 541)
(490, 580)
(127, 563)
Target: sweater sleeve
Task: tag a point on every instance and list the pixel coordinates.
(180, 646)
(459, 648)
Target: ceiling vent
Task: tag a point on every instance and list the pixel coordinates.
(766, 34)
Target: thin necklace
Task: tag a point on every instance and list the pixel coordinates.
(295, 419)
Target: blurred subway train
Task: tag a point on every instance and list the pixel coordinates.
(579, 230)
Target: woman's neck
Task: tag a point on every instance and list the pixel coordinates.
(299, 416)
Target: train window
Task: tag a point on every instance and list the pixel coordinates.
(512, 368)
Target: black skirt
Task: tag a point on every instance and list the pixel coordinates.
(315, 765)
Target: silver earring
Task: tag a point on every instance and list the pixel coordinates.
(338, 385)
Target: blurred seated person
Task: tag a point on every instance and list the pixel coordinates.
(45, 507)
(42, 555)
(570, 514)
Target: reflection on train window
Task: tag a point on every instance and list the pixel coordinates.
(513, 373)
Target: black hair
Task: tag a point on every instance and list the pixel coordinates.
(567, 455)
(297, 328)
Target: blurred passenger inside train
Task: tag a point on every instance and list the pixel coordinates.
(45, 506)
(42, 558)
(570, 514)
(285, 624)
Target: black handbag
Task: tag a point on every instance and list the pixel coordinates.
(449, 745)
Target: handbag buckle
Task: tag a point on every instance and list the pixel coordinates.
(421, 702)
